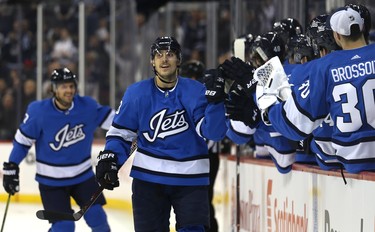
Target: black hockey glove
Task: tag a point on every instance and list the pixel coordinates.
(241, 72)
(214, 82)
(304, 146)
(11, 180)
(107, 170)
(240, 107)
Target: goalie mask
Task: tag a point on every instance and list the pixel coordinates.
(320, 35)
(62, 75)
(265, 47)
(166, 43)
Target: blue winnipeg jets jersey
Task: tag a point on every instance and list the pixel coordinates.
(63, 139)
(170, 128)
(269, 142)
(340, 84)
(321, 144)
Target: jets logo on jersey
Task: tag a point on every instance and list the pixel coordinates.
(67, 136)
(163, 125)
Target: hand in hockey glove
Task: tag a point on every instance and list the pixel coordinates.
(107, 169)
(242, 108)
(241, 72)
(272, 85)
(303, 146)
(215, 83)
(11, 180)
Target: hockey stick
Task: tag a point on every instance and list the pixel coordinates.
(6, 212)
(58, 216)
(239, 52)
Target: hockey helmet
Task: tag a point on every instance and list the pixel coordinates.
(62, 75)
(265, 47)
(302, 48)
(287, 28)
(320, 35)
(192, 69)
(166, 43)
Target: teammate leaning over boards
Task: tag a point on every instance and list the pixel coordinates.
(341, 84)
(268, 142)
(62, 129)
(321, 38)
(170, 119)
(302, 52)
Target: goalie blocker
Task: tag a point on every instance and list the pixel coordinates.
(272, 84)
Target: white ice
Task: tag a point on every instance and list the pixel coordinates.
(21, 218)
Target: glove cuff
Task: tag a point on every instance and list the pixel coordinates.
(107, 155)
(10, 165)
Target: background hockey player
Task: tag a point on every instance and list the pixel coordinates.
(62, 129)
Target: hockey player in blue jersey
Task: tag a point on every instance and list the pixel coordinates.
(170, 117)
(339, 84)
(320, 36)
(268, 142)
(62, 129)
(301, 53)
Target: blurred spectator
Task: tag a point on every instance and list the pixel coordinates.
(18, 45)
(194, 38)
(15, 79)
(64, 49)
(92, 74)
(8, 124)
(267, 15)
(7, 15)
(28, 93)
(4, 84)
(66, 15)
(10, 50)
(102, 31)
(223, 40)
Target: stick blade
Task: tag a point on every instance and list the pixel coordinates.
(54, 216)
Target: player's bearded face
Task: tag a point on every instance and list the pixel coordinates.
(166, 63)
(64, 93)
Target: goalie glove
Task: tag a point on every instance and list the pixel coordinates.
(272, 84)
(215, 83)
(107, 170)
(241, 72)
(240, 107)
